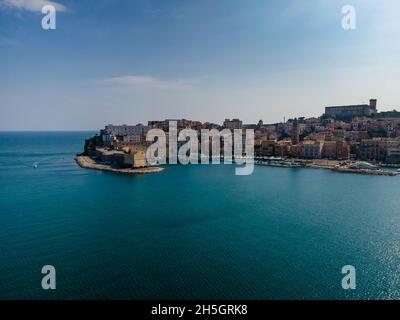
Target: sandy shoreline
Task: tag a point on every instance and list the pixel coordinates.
(88, 163)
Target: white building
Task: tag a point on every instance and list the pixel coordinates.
(125, 130)
(133, 134)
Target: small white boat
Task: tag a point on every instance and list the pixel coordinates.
(35, 165)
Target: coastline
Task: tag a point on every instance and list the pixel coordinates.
(365, 172)
(88, 163)
(333, 165)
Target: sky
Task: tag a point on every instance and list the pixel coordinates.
(130, 61)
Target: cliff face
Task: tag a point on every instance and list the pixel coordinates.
(89, 147)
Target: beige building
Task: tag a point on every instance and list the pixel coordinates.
(268, 148)
(377, 149)
(127, 157)
(329, 150)
(137, 154)
(339, 150)
(282, 148)
(312, 149)
(295, 150)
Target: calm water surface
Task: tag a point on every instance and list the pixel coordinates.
(191, 232)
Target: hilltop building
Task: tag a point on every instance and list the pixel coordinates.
(389, 114)
(351, 111)
(233, 124)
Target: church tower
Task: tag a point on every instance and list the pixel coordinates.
(295, 132)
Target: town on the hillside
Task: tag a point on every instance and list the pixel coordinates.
(353, 133)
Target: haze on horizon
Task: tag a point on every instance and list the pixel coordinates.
(132, 61)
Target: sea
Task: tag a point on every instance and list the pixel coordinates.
(190, 232)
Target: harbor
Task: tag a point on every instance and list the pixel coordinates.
(356, 167)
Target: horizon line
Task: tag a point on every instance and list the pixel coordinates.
(69, 130)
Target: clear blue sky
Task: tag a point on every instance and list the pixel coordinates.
(130, 61)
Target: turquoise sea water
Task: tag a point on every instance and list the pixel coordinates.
(191, 232)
